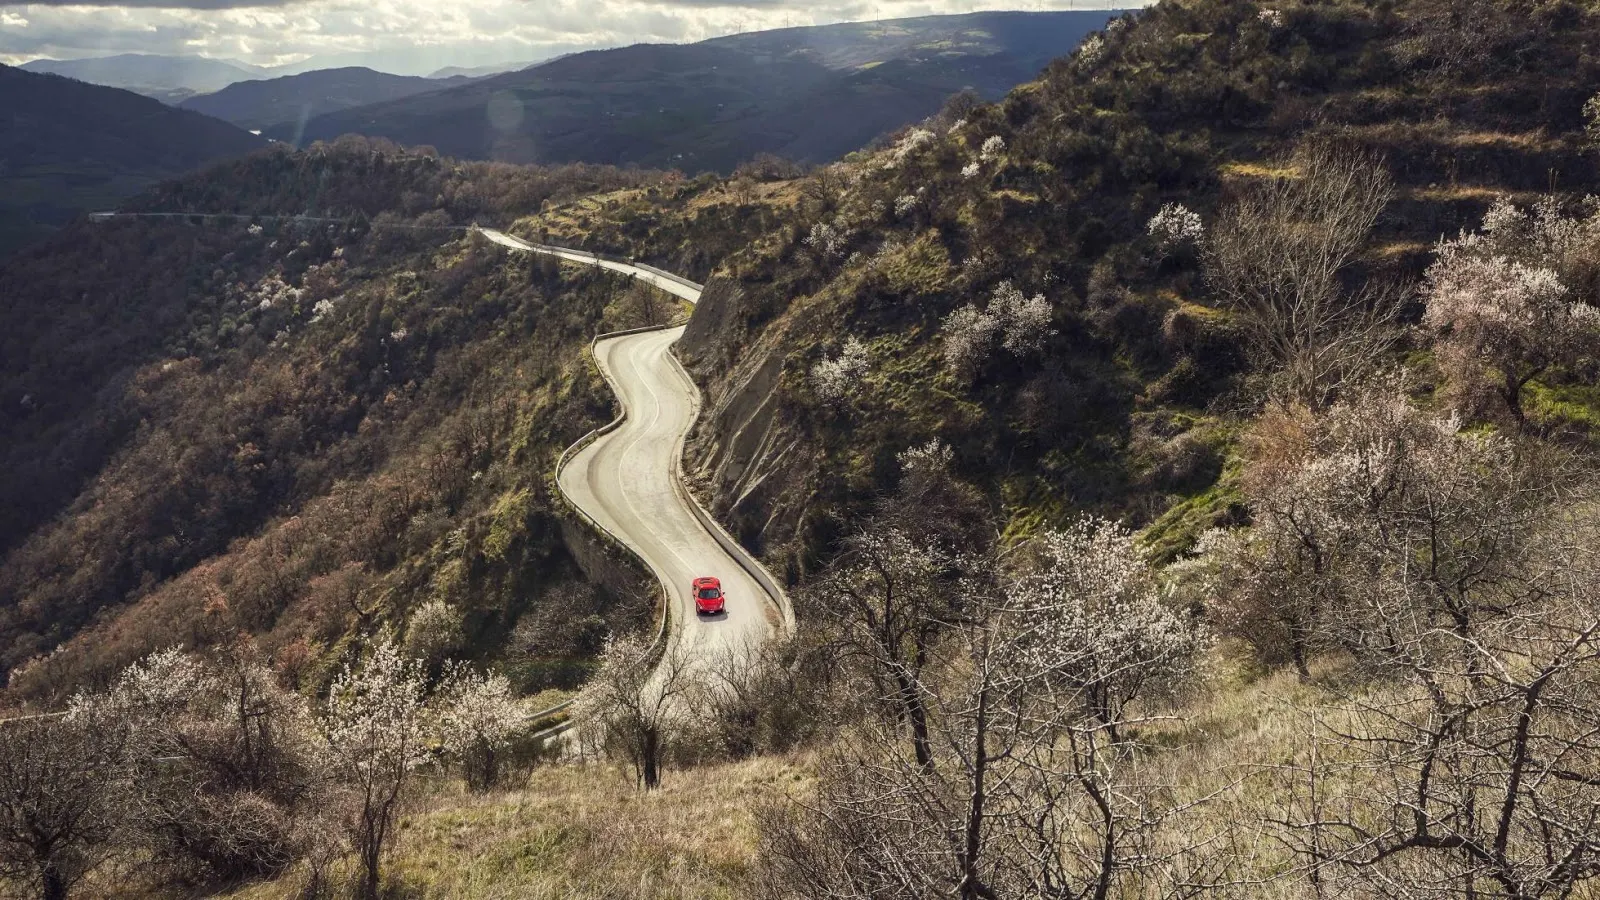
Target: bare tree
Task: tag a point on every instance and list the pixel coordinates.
(890, 597)
(822, 189)
(1279, 257)
(1034, 784)
(633, 709)
(896, 587)
(1471, 766)
(642, 306)
(57, 781)
(1459, 757)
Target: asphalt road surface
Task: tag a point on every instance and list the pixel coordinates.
(670, 285)
(628, 479)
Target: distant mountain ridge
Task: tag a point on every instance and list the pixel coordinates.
(293, 99)
(169, 79)
(74, 146)
(480, 71)
(812, 94)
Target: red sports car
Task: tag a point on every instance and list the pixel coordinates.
(707, 596)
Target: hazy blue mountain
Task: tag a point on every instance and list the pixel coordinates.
(166, 78)
(293, 99)
(479, 71)
(1031, 39)
(76, 146)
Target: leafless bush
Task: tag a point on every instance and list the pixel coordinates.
(768, 167)
(1454, 36)
(644, 306)
(223, 773)
(763, 697)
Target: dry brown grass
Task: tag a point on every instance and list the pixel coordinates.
(1456, 192)
(585, 831)
(777, 194)
(1257, 170)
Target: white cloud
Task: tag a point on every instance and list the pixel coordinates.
(423, 34)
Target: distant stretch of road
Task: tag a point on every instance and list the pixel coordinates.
(628, 480)
(677, 287)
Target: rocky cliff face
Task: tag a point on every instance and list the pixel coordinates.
(746, 458)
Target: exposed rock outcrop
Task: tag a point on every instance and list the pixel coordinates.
(746, 457)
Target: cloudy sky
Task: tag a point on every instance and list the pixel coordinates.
(422, 35)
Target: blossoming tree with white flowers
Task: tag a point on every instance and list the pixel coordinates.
(837, 379)
(376, 730)
(477, 718)
(1499, 307)
(1018, 323)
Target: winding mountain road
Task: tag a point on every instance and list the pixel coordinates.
(629, 481)
(678, 287)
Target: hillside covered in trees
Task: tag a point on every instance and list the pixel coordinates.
(1183, 469)
(917, 269)
(225, 396)
(294, 99)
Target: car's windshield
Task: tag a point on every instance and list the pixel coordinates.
(709, 593)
